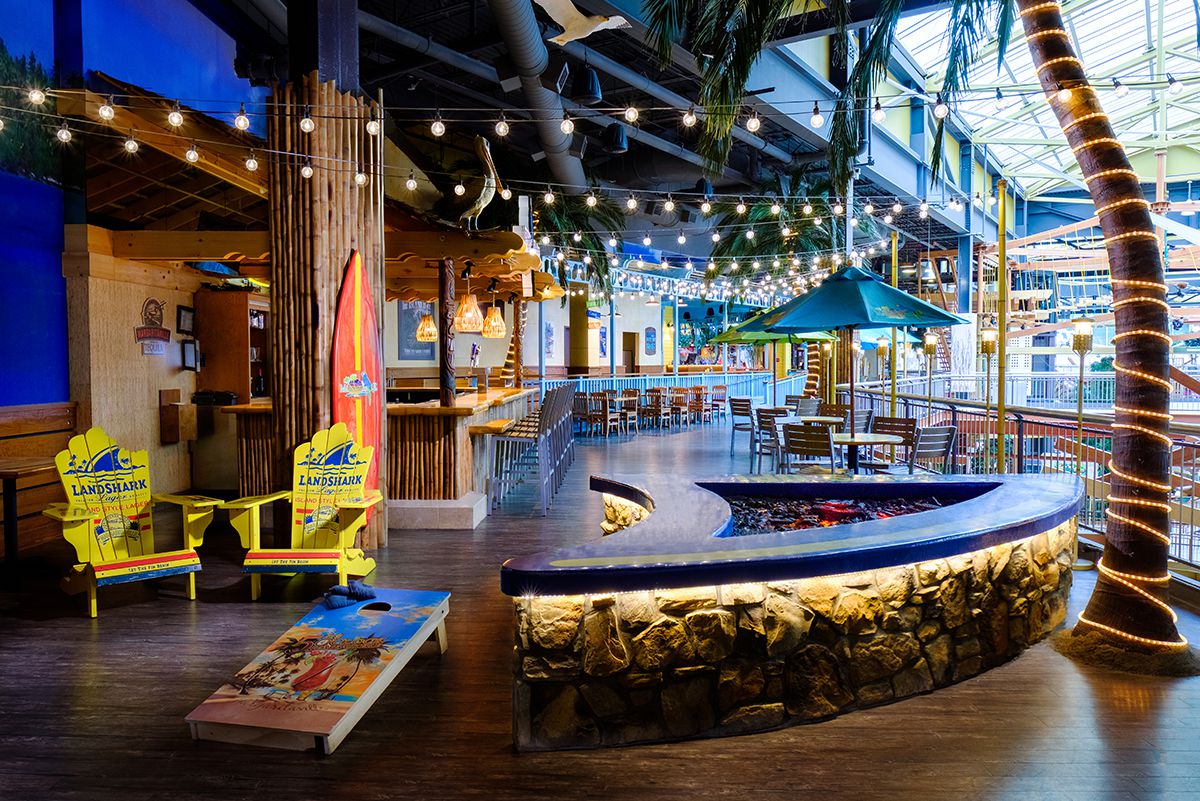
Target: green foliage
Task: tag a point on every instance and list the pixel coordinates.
(570, 214)
(727, 37)
(1103, 365)
(27, 145)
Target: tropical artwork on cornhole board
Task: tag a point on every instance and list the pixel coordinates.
(312, 675)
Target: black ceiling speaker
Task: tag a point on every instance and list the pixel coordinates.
(615, 140)
(585, 86)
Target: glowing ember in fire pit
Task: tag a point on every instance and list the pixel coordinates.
(762, 514)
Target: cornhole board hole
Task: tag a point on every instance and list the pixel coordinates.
(314, 683)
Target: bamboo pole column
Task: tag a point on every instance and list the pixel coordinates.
(1001, 324)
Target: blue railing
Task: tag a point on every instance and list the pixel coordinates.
(757, 385)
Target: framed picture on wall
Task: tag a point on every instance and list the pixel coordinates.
(191, 355)
(410, 313)
(185, 320)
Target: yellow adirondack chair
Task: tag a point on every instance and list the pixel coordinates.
(329, 506)
(107, 518)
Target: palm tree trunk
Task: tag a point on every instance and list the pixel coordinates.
(1130, 602)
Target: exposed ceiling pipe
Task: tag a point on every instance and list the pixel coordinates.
(656, 90)
(523, 36)
(426, 46)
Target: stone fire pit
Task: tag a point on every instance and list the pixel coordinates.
(671, 627)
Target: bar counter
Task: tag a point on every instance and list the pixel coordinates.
(431, 455)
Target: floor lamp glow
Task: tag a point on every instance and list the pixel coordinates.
(987, 346)
(931, 342)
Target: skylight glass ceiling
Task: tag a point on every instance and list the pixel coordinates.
(1116, 39)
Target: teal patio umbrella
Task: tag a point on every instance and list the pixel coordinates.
(851, 298)
(738, 335)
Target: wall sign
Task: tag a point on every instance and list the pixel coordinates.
(603, 341)
(549, 337)
(152, 323)
(154, 347)
(651, 340)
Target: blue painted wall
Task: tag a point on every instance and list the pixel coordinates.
(33, 294)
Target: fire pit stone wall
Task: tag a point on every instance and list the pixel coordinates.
(593, 670)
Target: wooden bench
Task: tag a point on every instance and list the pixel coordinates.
(39, 430)
(317, 680)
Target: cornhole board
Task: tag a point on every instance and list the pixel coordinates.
(317, 680)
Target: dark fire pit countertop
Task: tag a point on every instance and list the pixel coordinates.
(684, 542)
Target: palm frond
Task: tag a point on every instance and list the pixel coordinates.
(571, 215)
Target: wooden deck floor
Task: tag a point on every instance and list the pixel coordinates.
(94, 709)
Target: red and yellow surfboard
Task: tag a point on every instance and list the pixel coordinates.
(357, 364)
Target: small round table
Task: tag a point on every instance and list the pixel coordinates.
(852, 442)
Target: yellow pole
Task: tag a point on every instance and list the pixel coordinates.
(1001, 323)
(892, 356)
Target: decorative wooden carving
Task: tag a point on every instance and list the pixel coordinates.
(446, 304)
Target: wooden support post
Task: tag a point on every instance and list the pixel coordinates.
(520, 309)
(446, 305)
(1001, 324)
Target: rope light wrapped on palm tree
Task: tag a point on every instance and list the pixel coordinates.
(1130, 605)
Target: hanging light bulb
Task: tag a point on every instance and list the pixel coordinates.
(545, 239)
(437, 127)
(36, 96)
(681, 239)
(251, 162)
(887, 219)
(106, 111)
(991, 200)
(131, 144)
(785, 230)
(775, 263)
(853, 222)
(631, 203)
(426, 329)
(1, 124)
(807, 209)
(175, 116)
(576, 237)
(411, 183)
(940, 109)
(506, 193)
(838, 208)
(306, 171)
(241, 121)
(689, 117)
(816, 220)
(868, 209)
(741, 207)
(923, 213)
(192, 155)
(646, 240)
(712, 266)
(669, 205)
(307, 124)
(631, 114)
(816, 120)
(591, 200)
(716, 236)
(63, 134)
(776, 209)
(1120, 88)
(924, 205)
(754, 265)
(612, 260)
(1063, 94)
(548, 197)
(733, 266)
(567, 125)
(361, 179)
(612, 241)
(705, 207)
(897, 207)
(1174, 87)
(878, 114)
(502, 126)
(750, 233)
(459, 188)
(373, 125)
(1001, 103)
(753, 123)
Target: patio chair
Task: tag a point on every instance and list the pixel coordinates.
(933, 452)
(741, 413)
(717, 399)
(766, 435)
(329, 505)
(108, 518)
(811, 446)
(903, 427)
